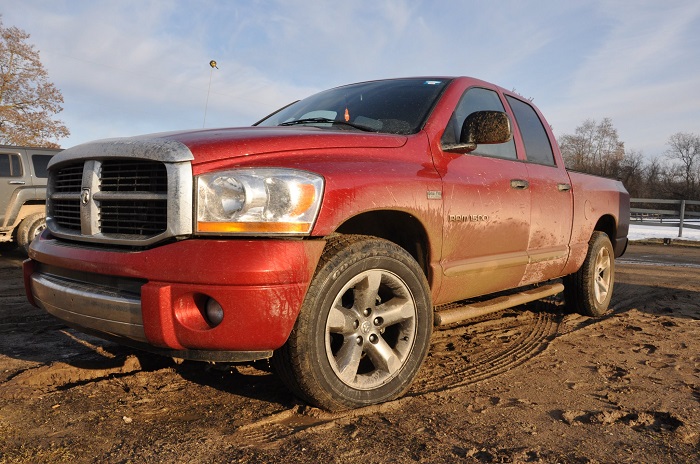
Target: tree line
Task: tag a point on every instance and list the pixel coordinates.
(595, 148)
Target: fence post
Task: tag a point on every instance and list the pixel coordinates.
(680, 225)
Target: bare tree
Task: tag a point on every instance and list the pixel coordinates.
(28, 101)
(594, 148)
(684, 148)
(632, 173)
(653, 180)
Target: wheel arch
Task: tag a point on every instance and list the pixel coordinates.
(399, 227)
(608, 225)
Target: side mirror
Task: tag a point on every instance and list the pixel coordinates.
(482, 127)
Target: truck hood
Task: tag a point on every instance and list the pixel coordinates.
(203, 146)
(217, 144)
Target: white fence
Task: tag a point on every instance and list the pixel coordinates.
(648, 214)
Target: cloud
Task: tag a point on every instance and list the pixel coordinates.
(643, 73)
(645, 42)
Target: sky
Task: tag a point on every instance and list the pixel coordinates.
(129, 67)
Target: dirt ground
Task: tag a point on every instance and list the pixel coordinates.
(532, 385)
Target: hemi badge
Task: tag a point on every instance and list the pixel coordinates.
(434, 195)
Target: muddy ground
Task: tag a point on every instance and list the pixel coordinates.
(532, 385)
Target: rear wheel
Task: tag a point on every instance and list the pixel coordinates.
(29, 228)
(589, 290)
(364, 328)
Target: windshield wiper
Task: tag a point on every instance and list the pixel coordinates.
(327, 121)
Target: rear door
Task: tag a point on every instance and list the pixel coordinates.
(550, 192)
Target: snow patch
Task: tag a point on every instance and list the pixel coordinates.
(642, 232)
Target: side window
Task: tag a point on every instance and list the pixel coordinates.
(10, 165)
(537, 146)
(39, 162)
(478, 99)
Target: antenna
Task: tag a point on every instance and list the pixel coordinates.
(213, 65)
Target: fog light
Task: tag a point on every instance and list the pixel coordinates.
(215, 313)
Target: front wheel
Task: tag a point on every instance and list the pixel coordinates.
(364, 327)
(589, 290)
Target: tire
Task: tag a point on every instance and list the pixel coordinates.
(29, 228)
(364, 327)
(588, 291)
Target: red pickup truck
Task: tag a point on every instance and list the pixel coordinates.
(330, 236)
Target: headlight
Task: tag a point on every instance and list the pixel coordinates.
(258, 201)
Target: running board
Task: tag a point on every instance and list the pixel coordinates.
(482, 308)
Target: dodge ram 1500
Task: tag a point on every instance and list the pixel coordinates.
(329, 236)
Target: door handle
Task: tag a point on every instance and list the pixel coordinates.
(17, 182)
(519, 184)
(564, 187)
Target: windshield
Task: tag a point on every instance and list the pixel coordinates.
(398, 106)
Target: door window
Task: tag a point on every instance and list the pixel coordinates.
(537, 147)
(478, 99)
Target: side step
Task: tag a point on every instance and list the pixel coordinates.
(470, 311)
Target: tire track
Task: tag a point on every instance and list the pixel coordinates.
(444, 370)
(267, 431)
(485, 363)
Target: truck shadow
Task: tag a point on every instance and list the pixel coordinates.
(254, 381)
(658, 298)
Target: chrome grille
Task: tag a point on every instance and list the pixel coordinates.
(67, 213)
(69, 179)
(67, 182)
(133, 217)
(116, 200)
(133, 176)
(128, 191)
(133, 214)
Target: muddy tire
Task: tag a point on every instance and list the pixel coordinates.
(364, 327)
(589, 290)
(30, 227)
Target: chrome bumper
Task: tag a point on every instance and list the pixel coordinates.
(100, 308)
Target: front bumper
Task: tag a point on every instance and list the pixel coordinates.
(157, 297)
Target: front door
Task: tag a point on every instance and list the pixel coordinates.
(486, 209)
